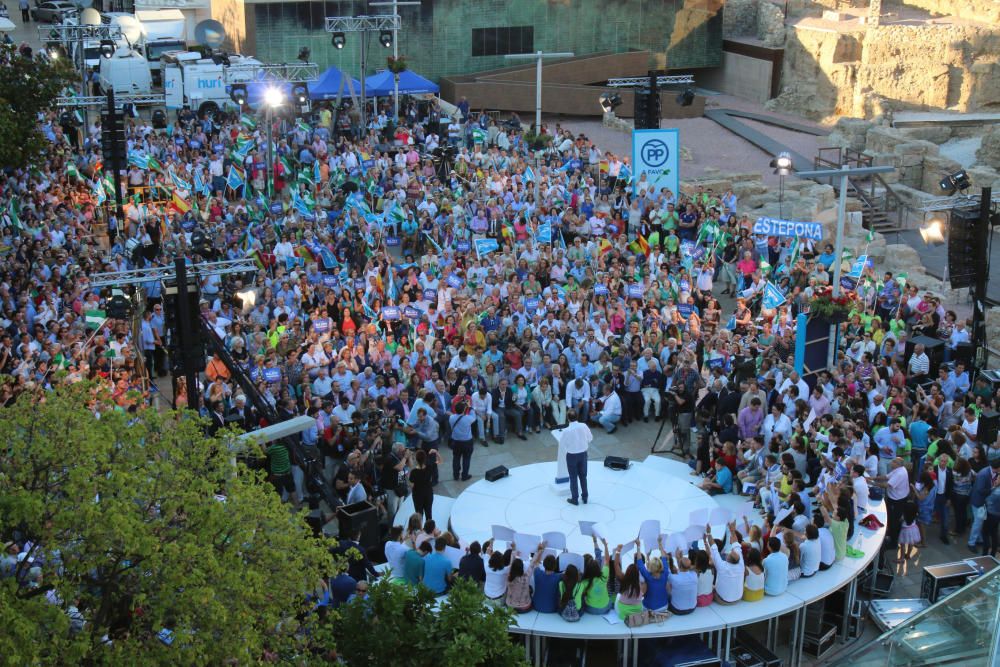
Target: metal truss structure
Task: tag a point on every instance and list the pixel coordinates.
(375, 23)
(274, 73)
(161, 273)
(640, 81)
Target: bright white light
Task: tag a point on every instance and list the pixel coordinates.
(273, 97)
(784, 161)
(249, 298)
(933, 233)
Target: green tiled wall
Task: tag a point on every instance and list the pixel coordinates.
(437, 37)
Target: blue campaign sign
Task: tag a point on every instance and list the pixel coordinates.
(390, 313)
(218, 148)
(636, 291)
(392, 240)
(272, 375)
(179, 141)
(531, 304)
(430, 295)
(600, 289)
(463, 245)
(195, 144)
(685, 310)
(697, 253)
(776, 227)
(848, 283)
(656, 154)
(772, 297)
(275, 207)
(359, 283)
(718, 362)
(322, 325)
(858, 267)
(330, 281)
(454, 281)
(412, 313)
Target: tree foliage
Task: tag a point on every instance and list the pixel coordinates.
(150, 526)
(398, 626)
(27, 89)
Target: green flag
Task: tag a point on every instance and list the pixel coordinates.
(871, 235)
(72, 171)
(248, 121)
(154, 164)
(14, 211)
(94, 318)
(303, 126)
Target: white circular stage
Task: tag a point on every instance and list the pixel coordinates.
(528, 503)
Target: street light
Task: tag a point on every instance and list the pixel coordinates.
(273, 97)
(933, 233)
(782, 165)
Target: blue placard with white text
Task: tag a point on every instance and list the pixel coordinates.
(655, 153)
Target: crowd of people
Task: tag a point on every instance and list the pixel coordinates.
(421, 304)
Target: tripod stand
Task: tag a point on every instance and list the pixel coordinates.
(676, 448)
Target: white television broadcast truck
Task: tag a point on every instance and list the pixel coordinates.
(193, 82)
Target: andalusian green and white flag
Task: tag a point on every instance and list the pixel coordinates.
(871, 235)
(248, 121)
(478, 136)
(303, 126)
(94, 318)
(14, 212)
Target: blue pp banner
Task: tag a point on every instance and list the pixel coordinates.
(636, 291)
(412, 313)
(330, 281)
(600, 289)
(776, 227)
(772, 297)
(685, 310)
(858, 267)
(454, 281)
(275, 207)
(195, 144)
(463, 245)
(390, 313)
(392, 240)
(430, 295)
(531, 304)
(656, 154)
(322, 325)
(848, 283)
(272, 375)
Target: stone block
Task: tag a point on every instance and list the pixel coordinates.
(881, 139)
(763, 199)
(982, 177)
(935, 168)
(717, 185)
(937, 134)
(744, 189)
(916, 148)
(912, 197)
(989, 151)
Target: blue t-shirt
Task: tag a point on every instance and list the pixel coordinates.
(918, 435)
(656, 596)
(545, 599)
(437, 567)
(775, 573)
(413, 567)
(724, 478)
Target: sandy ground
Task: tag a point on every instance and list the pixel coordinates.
(706, 143)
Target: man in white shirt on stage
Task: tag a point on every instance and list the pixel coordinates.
(575, 439)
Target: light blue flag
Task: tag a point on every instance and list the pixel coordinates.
(625, 174)
(234, 179)
(562, 240)
(486, 246)
(731, 324)
(317, 175)
(199, 185)
(529, 175)
(545, 232)
(138, 160)
(434, 243)
(772, 297)
(178, 182)
(565, 167)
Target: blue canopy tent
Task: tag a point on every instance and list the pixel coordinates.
(410, 83)
(329, 83)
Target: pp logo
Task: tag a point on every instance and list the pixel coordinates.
(655, 153)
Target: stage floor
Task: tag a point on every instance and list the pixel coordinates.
(619, 501)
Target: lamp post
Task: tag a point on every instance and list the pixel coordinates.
(844, 173)
(782, 165)
(538, 57)
(395, 50)
(273, 97)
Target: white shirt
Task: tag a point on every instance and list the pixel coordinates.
(575, 396)
(575, 438)
(810, 551)
(860, 493)
(482, 405)
(395, 552)
(357, 494)
(729, 576)
(828, 550)
(612, 405)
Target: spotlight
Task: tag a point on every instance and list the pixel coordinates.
(273, 97)
(933, 233)
(108, 48)
(339, 40)
(304, 54)
(385, 38)
(686, 98)
(610, 101)
(200, 243)
(55, 51)
(118, 307)
(238, 94)
(300, 93)
(957, 181)
(782, 164)
(248, 297)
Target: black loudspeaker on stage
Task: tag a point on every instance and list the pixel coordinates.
(616, 462)
(493, 474)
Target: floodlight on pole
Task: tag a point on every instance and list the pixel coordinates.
(273, 97)
(385, 38)
(339, 40)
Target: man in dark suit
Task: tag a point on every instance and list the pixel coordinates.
(504, 406)
(982, 485)
(401, 405)
(358, 564)
(441, 402)
(944, 483)
(217, 417)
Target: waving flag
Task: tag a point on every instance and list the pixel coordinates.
(772, 297)
(178, 182)
(98, 192)
(180, 203)
(303, 127)
(544, 233)
(236, 178)
(529, 175)
(625, 174)
(478, 136)
(199, 185)
(317, 174)
(435, 243)
(486, 246)
(154, 164)
(248, 121)
(138, 160)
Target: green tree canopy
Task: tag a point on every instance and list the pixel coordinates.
(27, 88)
(398, 626)
(150, 526)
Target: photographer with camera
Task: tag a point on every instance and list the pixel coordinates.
(461, 424)
(423, 433)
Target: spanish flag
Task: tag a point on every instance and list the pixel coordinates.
(640, 245)
(605, 247)
(179, 203)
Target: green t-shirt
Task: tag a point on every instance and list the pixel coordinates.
(669, 220)
(597, 595)
(672, 243)
(839, 531)
(577, 593)
(277, 454)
